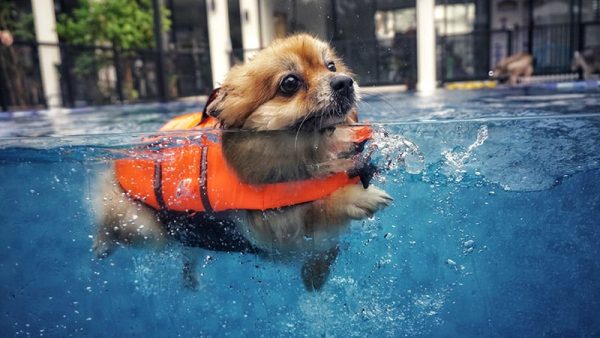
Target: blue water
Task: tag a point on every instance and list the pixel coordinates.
(494, 232)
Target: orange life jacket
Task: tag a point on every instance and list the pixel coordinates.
(194, 176)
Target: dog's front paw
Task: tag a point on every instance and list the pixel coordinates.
(364, 203)
(190, 281)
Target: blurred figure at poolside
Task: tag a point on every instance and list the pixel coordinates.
(586, 62)
(6, 38)
(514, 67)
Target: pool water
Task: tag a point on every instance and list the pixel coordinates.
(494, 231)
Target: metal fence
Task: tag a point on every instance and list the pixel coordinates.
(471, 56)
(96, 75)
(20, 79)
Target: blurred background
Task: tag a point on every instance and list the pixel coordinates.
(74, 53)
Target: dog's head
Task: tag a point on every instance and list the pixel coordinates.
(296, 83)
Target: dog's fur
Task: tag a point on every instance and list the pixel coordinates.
(516, 66)
(294, 137)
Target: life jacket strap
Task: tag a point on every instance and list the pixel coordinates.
(157, 185)
(204, 180)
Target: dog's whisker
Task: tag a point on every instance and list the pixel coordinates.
(298, 131)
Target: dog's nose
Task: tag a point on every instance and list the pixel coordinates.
(342, 84)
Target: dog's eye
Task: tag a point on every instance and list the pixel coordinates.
(331, 66)
(289, 85)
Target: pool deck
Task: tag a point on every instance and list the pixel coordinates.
(199, 100)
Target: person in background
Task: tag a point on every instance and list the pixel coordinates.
(6, 38)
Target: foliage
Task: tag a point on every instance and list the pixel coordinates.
(20, 24)
(124, 24)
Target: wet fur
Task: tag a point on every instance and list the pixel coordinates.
(293, 138)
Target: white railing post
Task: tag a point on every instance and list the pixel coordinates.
(49, 53)
(219, 39)
(426, 62)
(257, 25)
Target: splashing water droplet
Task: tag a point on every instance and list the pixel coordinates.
(397, 151)
(456, 160)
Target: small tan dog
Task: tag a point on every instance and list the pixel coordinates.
(516, 66)
(295, 97)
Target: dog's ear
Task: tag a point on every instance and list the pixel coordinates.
(212, 104)
(227, 106)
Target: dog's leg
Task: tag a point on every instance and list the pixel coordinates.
(190, 260)
(527, 75)
(513, 78)
(122, 221)
(316, 268)
(312, 228)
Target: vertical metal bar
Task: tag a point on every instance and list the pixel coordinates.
(377, 61)
(444, 44)
(580, 27)
(294, 15)
(334, 34)
(509, 42)
(66, 74)
(530, 29)
(3, 101)
(118, 73)
(488, 36)
(160, 52)
(260, 26)
(572, 35)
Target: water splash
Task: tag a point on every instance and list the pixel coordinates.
(397, 152)
(455, 160)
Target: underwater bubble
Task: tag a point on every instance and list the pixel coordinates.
(469, 244)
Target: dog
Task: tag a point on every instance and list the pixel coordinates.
(588, 62)
(513, 67)
(290, 104)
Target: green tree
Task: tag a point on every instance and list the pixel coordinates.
(19, 23)
(124, 24)
(16, 71)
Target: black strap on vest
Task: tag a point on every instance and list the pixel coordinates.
(157, 185)
(204, 180)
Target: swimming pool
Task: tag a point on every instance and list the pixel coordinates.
(494, 233)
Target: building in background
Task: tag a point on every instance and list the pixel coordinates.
(376, 38)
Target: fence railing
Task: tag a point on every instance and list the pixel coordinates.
(20, 78)
(471, 56)
(96, 75)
